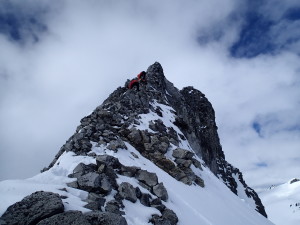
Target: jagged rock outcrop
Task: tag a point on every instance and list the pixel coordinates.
(195, 118)
(33, 208)
(119, 122)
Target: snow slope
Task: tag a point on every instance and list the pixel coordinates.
(214, 204)
(282, 203)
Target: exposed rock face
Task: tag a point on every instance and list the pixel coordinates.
(70, 217)
(33, 208)
(115, 124)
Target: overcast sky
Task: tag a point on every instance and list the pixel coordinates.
(60, 59)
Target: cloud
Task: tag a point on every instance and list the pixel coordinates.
(90, 48)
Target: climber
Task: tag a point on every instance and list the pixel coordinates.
(141, 79)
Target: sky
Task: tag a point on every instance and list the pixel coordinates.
(59, 60)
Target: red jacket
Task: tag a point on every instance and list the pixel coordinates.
(132, 82)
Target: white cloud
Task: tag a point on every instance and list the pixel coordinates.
(92, 47)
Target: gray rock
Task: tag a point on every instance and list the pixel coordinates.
(163, 147)
(82, 169)
(104, 218)
(135, 136)
(33, 208)
(157, 220)
(94, 182)
(138, 192)
(95, 197)
(197, 164)
(127, 191)
(129, 171)
(182, 154)
(145, 199)
(93, 206)
(160, 191)
(114, 206)
(116, 144)
(184, 162)
(199, 181)
(146, 177)
(108, 161)
(69, 217)
(73, 184)
(170, 215)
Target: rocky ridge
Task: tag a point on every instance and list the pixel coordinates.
(120, 121)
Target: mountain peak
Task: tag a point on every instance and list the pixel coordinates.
(139, 145)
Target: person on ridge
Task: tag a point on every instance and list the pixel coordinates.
(141, 78)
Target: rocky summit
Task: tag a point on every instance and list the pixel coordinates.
(138, 155)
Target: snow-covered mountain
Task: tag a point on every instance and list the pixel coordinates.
(142, 157)
(283, 202)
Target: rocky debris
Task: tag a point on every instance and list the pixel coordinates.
(33, 208)
(96, 179)
(127, 191)
(69, 217)
(150, 179)
(104, 218)
(160, 191)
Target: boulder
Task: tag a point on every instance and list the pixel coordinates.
(197, 164)
(116, 144)
(113, 206)
(135, 136)
(163, 147)
(94, 182)
(180, 153)
(108, 161)
(183, 163)
(82, 169)
(145, 199)
(127, 191)
(160, 191)
(129, 171)
(33, 208)
(170, 215)
(146, 177)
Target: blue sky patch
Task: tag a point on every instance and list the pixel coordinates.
(257, 127)
(258, 33)
(19, 24)
(293, 14)
(254, 37)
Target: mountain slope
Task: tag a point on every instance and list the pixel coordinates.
(283, 203)
(150, 156)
